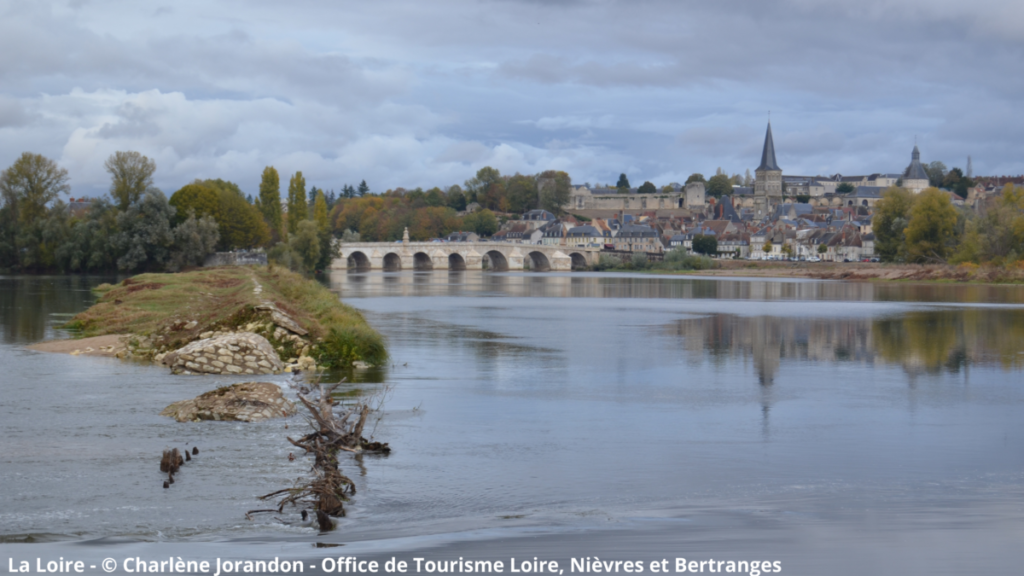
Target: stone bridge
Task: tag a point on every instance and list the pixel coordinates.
(499, 256)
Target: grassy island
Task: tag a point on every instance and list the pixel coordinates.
(163, 312)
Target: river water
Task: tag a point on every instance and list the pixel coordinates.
(838, 428)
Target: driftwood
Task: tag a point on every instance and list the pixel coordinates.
(327, 489)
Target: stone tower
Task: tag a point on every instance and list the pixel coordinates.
(768, 179)
(695, 194)
(915, 178)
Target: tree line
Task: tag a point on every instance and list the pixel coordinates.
(928, 228)
(137, 228)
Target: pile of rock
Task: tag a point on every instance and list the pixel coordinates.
(230, 353)
(245, 402)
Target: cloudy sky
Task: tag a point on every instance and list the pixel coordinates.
(423, 93)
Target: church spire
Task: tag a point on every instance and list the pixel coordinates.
(768, 154)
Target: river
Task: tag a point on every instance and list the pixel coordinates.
(837, 428)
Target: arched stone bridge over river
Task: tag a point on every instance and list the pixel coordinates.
(497, 256)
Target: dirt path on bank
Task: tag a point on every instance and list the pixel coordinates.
(108, 345)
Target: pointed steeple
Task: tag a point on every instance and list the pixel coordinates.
(768, 154)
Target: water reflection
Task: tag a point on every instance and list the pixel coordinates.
(927, 341)
(355, 284)
(31, 307)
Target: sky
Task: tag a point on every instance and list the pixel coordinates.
(407, 93)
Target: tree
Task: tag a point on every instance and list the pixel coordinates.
(647, 188)
(240, 224)
(767, 247)
(889, 223)
(719, 185)
(936, 173)
(297, 208)
(929, 233)
(30, 184)
(193, 240)
(695, 177)
(434, 197)
(477, 186)
(521, 193)
(87, 247)
(363, 189)
(320, 211)
(196, 199)
(306, 243)
(456, 199)
(845, 188)
(705, 244)
(822, 248)
(554, 194)
(131, 175)
(270, 200)
(144, 238)
(27, 188)
(483, 222)
(623, 183)
(748, 180)
(787, 249)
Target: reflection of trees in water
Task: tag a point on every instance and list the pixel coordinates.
(930, 341)
(924, 341)
(27, 304)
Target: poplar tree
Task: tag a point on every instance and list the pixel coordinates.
(320, 211)
(298, 209)
(270, 200)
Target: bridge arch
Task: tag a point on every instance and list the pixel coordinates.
(392, 262)
(497, 260)
(358, 260)
(579, 261)
(456, 261)
(420, 261)
(539, 262)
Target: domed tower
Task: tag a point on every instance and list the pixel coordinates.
(768, 179)
(915, 178)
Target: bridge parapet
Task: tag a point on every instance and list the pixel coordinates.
(462, 256)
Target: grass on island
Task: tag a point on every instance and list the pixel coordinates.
(161, 307)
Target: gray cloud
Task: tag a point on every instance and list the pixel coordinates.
(408, 93)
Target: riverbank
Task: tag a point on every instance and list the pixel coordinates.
(161, 313)
(865, 271)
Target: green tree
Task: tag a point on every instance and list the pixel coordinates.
(306, 244)
(822, 248)
(623, 183)
(844, 188)
(477, 186)
(483, 222)
(131, 175)
(144, 236)
(929, 233)
(554, 195)
(647, 188)
(936, 173)
(196, 198)
(320, 211)
(890, 222)
(521, 193)
(30, 184)
(719, 185)
(695, 177)
(297, 208)
(767, 247)
(87, 247)
(270, 200)
(193, 240)
(705, 244)
(434, 197)
(363, 189)
(27, 188)
(456, 199)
